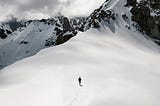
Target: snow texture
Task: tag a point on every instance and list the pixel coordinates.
(118, 69)
(25, 42)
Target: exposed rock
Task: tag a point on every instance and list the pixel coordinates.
(2, 34)
(66, 25)
(50, 42)
(24, 42)
(131, 2)
(78, 23)
(100, 18)
(62, 39)
(64, 30)
(14, 23)
(8, 32)
(147, 15)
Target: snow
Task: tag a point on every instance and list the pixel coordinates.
(138, 1)
(118, 69)
(117, 7)
(35, 34)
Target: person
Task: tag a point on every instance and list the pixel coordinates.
(80, 81)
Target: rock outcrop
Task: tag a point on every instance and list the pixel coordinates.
(146, 14)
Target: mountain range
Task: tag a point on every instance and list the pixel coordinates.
(114, 50)
(20, 39)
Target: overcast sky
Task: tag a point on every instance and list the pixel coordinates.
(37, 9)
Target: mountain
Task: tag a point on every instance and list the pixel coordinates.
(117, 69)
(31, 37)
(112, 50)
(20, 39)
(141, 15)
(146, 14)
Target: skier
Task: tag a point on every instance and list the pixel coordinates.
(80, 80)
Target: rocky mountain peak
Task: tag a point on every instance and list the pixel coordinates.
(146, 14)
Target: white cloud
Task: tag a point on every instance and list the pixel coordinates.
(81, 7)
(6, 11)
(37, 9)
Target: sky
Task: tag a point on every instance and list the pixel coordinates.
(37, 9)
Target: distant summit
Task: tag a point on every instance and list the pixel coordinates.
(20, 39)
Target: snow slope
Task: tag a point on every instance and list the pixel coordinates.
(26, 42)
(118, 69)
(29, 39)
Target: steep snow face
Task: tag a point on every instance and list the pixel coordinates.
(32, 37)
(110, 14)
(117, 70)
(142, 16)
(27, 42)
